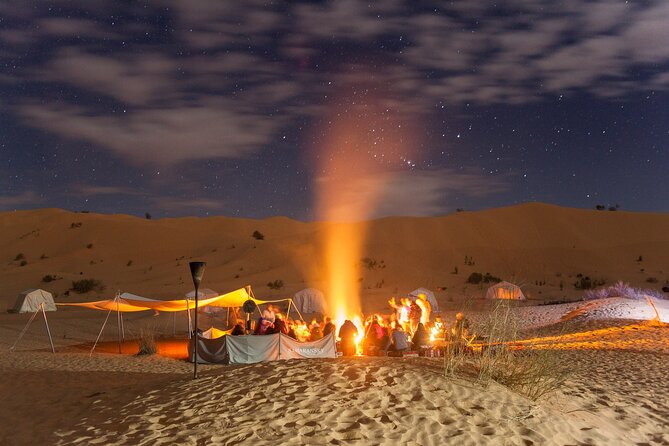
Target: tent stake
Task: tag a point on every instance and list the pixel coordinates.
(46, 322)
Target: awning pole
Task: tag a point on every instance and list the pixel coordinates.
(53, 350)
(188, 311)
(23, 331)
(101, 329)
(118, 324)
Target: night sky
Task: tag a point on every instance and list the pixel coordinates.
(234, 107)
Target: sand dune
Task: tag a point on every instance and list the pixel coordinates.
(528, 244)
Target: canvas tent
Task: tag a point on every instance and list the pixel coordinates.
(310, 300)
(429, 294)
(31, 301)
(505, 290)
(251, 349)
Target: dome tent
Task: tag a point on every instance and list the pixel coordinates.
(310, 300)
(428, 294)
(505, 290)
(31, 301)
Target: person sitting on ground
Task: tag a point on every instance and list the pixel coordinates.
(315, 332)
(420, 340)
(398, 340)
(347, 333)
(329, 327)
(269, 313)
(279, 324)
(373, 335)
(238, 329)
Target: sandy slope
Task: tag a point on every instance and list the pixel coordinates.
(527, 244)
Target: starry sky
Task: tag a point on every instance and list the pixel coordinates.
(247, 108)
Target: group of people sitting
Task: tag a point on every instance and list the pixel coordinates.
(271, 321)
(408, 327)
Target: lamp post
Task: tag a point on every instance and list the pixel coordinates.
(197, 271)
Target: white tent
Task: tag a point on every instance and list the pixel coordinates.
(204, 293)
(310, 300)
(34, 301)
(31, 301)
(428, 294)
(505, 290)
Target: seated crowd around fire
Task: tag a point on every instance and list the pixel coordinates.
(408, 327)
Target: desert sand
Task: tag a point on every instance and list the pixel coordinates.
(615, 393)
(529, 244)
(618, 358)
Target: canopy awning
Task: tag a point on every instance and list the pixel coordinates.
(128, 302)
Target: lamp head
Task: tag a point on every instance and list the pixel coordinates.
(197, 271)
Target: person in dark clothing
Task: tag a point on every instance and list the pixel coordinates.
(238, 329)
(373, 336)
(279, 325)
(329, 327)
(420, 339)
(347, 334)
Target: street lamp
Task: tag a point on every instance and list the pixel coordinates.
(197, 271)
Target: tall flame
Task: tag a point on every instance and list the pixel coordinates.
(362, 143)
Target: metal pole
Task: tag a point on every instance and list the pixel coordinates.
(53, 350)
(101, 330)
(195, 336)
(188, 311)
(118, 324)
(23, 331)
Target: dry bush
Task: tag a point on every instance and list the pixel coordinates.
(532, 373)
(147, 341)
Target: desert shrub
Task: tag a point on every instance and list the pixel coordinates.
(258, 235)
(652, 280)
(87, 285)
(129, 263)
(275, 285)
(147, 342)
(455, 270)
(50, 278)
(586, 283)
(23, 263)
(89, 246)
(19, 256)
(532, 373)
(43, 256)
(371, 263)
(75, 225)
(622, 289)
(475, 278)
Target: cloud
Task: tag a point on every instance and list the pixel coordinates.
(410, 193)
(91, 190)
(162, 136)
(220, 79)
(27, 198)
